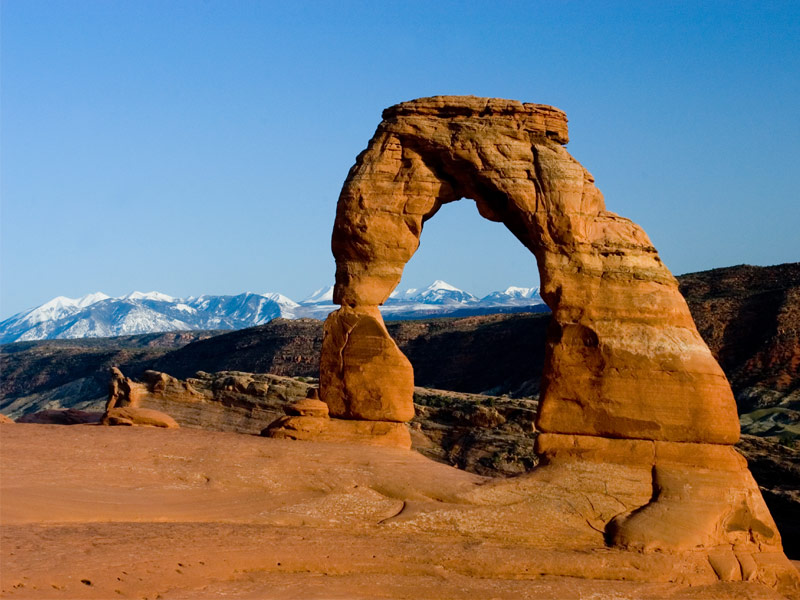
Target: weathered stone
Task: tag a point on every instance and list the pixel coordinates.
(371, 433)
(363, 374)
(308, 407)
(628, 384)
(69, 416)
(624, 357)
(142, 417)
(125, 396)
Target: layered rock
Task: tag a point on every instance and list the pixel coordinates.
(621, 329)
(627, 381)
(309, 420)
(226, 401)
(750, 318)
(124, 399)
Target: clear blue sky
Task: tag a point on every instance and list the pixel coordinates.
(199, 147)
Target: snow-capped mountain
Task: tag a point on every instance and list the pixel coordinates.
(99, 315)
(439, 292)
(513, 296)
(323, 295)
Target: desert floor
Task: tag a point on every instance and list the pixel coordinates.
(96, 512)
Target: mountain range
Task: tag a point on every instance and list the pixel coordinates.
(99, 315)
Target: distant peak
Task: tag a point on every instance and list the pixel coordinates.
(90, 299)
(281, 299)
(323, 294)
(148, 296)
(442, 285)
(521, 292)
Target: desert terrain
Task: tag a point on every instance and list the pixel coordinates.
(638, 489)
(96, 512)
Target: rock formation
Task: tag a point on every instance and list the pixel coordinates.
(309, 419)
(124, 399)
(628, 385)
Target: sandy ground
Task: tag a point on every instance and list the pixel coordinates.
(94, 512)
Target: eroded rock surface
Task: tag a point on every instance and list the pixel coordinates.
(627, 383)
(125, 398)
(625, 359)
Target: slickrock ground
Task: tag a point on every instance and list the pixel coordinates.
(487, 435)
(95, 512)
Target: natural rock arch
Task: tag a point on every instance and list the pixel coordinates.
(624, 357)
(628, 385)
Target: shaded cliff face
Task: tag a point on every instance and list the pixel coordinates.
(281, 347)
(750, 318)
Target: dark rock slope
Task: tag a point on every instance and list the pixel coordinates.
(750, 318)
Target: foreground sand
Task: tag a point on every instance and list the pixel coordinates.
(93, 512)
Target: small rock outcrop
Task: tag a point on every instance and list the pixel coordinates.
(629, 391)
(124, 399)
(309, 419)
(232, 401)
(5, 419)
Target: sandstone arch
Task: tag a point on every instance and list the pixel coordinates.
(628, 381)
(624, 357)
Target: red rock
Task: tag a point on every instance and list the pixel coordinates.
(363, 374)
(624, 360)
(631, 395)
(139, 417)
(125, 396)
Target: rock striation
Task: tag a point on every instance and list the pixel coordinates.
(628, 383)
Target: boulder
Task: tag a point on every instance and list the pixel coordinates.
(363, 374)
(139, 417)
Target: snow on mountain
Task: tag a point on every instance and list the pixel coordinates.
(99, 315)
(521, 292)
(90, 299)
(513, 296)
(282, 300)
(323, 295)
(157, 296)
(235, 312)
(49, 311)
(439, 292)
